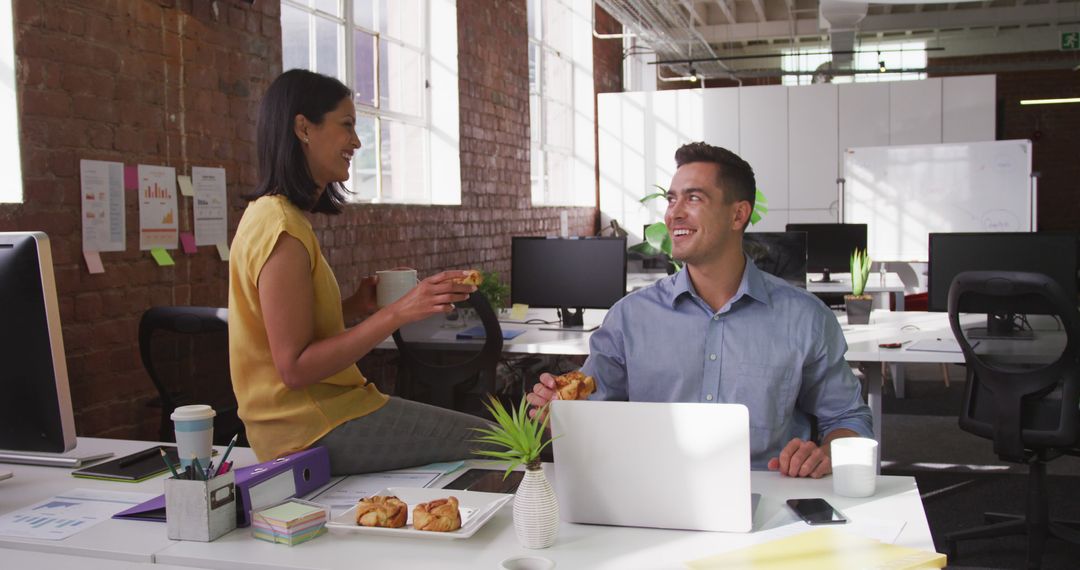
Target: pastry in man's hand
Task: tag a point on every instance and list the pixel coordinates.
(440, 515)
(472, 277)
(387, 512)
(575, 385)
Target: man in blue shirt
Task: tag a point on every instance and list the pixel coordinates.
(723, 331)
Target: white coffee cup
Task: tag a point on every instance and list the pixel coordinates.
(854, 466)
(393, 284)
(194, 426)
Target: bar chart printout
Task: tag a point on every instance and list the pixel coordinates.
(62, 516)
(158, 219)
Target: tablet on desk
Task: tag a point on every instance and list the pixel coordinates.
(132, 468)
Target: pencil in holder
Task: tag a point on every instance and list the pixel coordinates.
(200, 510)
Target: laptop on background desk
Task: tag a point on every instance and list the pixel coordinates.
(647, 464)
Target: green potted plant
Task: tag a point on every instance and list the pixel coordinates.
(518, 439)
(658, 240)
(494, 289)
(858, 303)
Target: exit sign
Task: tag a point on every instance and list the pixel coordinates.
(1070, 41)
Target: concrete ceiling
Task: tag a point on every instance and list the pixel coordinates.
(733, 30)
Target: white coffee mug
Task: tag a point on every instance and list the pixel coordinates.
(194, 427)
(854, 466)
(393, 285)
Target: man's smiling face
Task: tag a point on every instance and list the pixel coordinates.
(701, 222)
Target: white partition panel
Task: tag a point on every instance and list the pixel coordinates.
(720, 111)
(968, 108)
(763, 133)
(813, 216)
(915, 112)
(863, 117)
(812, 150)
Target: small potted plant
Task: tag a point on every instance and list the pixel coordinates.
(518, 439)
(858, 303)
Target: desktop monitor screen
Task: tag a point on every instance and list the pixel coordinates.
(782, 254)
(568, 272)
(829, 246)
(1052, 254)
(35, 410)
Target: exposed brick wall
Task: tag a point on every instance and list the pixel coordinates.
(171, 82)
(1053, 129)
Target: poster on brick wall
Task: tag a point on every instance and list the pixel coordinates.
(211, 214)
(102, 186)
(158, 223)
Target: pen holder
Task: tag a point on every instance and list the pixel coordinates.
(200, 510)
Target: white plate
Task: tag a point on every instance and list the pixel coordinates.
(476, 508)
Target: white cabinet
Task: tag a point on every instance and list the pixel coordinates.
(763, 134)
(863, 117)
(812, 150)
(721, 117)
(968, 108)
(915, 112)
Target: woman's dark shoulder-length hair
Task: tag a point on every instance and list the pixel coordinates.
(282, 167)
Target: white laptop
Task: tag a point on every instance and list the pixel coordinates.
(681, 466)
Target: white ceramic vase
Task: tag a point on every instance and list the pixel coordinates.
(536, 511)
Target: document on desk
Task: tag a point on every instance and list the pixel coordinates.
(64, 515)
(938, 345)
(343, 495)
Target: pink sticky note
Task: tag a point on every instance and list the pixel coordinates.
(131, 177)
(187, 239)
(93, 262)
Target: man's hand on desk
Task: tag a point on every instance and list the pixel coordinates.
(802, 459)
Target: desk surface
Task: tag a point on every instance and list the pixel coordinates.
(578, 546)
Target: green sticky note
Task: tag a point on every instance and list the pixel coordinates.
(518, 311)
(289, 511)
(162, 257)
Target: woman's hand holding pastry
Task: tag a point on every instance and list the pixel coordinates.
(432, 296)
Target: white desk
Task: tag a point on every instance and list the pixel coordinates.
(533, 341)
(842, 285)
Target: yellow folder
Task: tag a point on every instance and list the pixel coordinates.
(824, 549)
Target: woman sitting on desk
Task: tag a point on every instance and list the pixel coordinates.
(293, 362)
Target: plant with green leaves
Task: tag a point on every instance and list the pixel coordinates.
(494, 289)
(860, 271)
(658, 240)
(519, 436)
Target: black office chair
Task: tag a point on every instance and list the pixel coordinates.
(185, 350)
(1026, 405)
(453, 379)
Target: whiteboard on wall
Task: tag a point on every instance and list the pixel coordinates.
(904, 193)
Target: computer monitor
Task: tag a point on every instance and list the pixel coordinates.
(829, 246)
(568, 274)
(1052, 254)
(35, 410)
(782, 254)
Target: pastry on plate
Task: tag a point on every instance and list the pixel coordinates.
(386, 512)
(440, 515)
(472, 277)
(575, 385)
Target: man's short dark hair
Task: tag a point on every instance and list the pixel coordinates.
(734, 175)
(282, 166)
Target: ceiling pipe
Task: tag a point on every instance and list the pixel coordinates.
(841, 18)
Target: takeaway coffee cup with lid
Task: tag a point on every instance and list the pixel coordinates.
(194, 427)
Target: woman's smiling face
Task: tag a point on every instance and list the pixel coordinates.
(329, 145)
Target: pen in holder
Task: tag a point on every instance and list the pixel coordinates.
(200, 510)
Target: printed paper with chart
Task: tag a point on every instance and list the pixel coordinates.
(211, 212)
(158, 217)
(102, 205)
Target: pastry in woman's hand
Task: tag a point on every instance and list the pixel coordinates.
(472, 277)
(440, 515)
(575, 385)
(387, 512)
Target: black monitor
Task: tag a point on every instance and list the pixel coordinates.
(1052, 254)
(782, 254)
(568, 274)
(35, 410)
(829, 246)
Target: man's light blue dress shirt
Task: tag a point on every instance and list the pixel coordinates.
(774, 348)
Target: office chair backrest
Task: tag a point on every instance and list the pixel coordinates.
(185, 352)
(1018, 403)
(444, 381)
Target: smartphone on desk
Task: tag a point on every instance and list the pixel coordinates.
(487, 480)
(816, 511)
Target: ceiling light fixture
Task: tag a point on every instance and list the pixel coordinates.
(880, 63)
(1050, 101)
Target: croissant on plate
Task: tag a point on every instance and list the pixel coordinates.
(388, 512)
(575, 385)
(440, 515)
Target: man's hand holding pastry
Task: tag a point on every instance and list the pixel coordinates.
(570, 386)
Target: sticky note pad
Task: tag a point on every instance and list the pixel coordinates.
(518, 311)
(93, 262)
(185, 185)
(162, 257)
(223, 251)
(131, 177)
(187, 240)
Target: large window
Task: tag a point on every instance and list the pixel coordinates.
(403, 72)
(561, 115)
(11, 190)
(869, 58)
